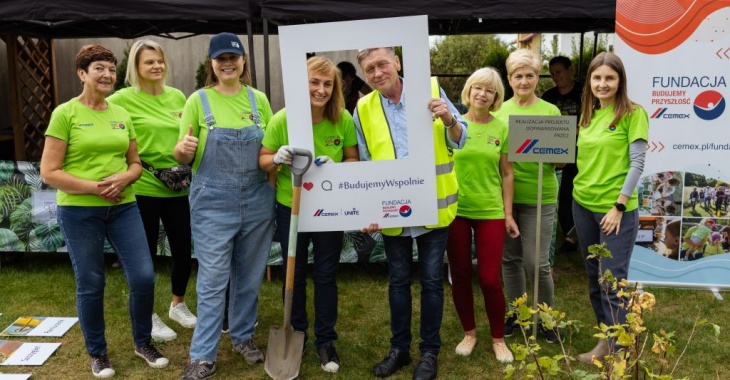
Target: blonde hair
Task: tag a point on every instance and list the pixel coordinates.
(132, 76)
(334, 106)
(488, 77)
(523, 58)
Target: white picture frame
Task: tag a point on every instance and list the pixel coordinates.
(339, 197)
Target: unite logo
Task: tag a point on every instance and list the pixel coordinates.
(527, 145)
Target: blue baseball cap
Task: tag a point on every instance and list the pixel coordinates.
(225, 43)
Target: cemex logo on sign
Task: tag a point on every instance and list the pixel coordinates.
(321, 212)
(661, 113)
(709, 105)
(529, 147)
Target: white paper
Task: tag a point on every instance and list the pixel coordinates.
(39, 326)
(17, 353)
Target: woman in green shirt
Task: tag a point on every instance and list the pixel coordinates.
(518, 262)
(90, 156)
(612, 144)
(156, 109)
(485, 211)
(334, 141)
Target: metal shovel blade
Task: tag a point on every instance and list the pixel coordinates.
(284, 353)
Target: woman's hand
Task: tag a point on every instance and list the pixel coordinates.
(611, 221)
(512, 230)
(112, 187)
(373, 227)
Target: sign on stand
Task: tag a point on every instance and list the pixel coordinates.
(541, 139)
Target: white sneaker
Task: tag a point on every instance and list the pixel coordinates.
(182, 315)
(160, 331)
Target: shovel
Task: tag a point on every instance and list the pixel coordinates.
(284, 351)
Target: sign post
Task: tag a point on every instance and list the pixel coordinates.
(541, 139)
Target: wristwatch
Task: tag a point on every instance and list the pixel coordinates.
(620, 206)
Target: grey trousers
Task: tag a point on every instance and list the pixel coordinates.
(518, 261)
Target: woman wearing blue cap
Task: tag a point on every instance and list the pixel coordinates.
(231, 203)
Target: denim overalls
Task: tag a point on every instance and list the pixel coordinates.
(232, 222)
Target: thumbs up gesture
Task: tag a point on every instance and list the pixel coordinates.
(190, 142)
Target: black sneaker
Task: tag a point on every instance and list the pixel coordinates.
(510, 325)
(198, 370)
(101, 367)
(225, 328)
(551, 335)
(328, 359)
(151, 355)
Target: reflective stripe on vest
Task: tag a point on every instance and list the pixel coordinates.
(376, 131)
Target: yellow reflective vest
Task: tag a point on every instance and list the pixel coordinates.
(376, 130)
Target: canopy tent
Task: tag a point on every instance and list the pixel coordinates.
(126, 19)
(28, 27)
(456, 16)
(135, 18)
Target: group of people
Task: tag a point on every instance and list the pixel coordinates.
(96, 148)
(707, 196)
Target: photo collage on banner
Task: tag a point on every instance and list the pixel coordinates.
(676, 55)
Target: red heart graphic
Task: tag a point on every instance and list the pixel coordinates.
(308, 185)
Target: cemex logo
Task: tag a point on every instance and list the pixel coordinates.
(709, 105)
(321, 212)
(529, 147)
(661, 113)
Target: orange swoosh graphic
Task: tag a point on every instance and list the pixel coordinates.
(658, 26)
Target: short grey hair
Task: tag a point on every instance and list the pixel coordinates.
(362, 53)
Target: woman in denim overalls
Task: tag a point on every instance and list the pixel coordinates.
(231, 204)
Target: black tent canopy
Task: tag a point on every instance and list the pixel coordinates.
(136, 18)
(456, 16)
(126, 19)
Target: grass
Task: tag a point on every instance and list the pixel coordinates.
(42, 284)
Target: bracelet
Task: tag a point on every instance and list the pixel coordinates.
(453, 122)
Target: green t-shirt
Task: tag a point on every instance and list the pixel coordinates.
(97, 144)
(603, 158)
(329, 140)
(229, 111)
(477, 170)
(526, 173)
(157, 122)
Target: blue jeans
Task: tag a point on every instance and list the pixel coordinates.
(232, 232)
(84, 229)
(587, 224)
(399, 253)
(327, 247)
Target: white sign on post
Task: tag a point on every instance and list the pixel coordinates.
(541, 139)
(349, 196)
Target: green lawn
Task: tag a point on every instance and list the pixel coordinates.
(42, 284)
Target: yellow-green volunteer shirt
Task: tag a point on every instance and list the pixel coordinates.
(477, 170)
(603, 158)
(329, 140)
(229, 111)
(157, 123)
(526, 173)
(97, 147)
